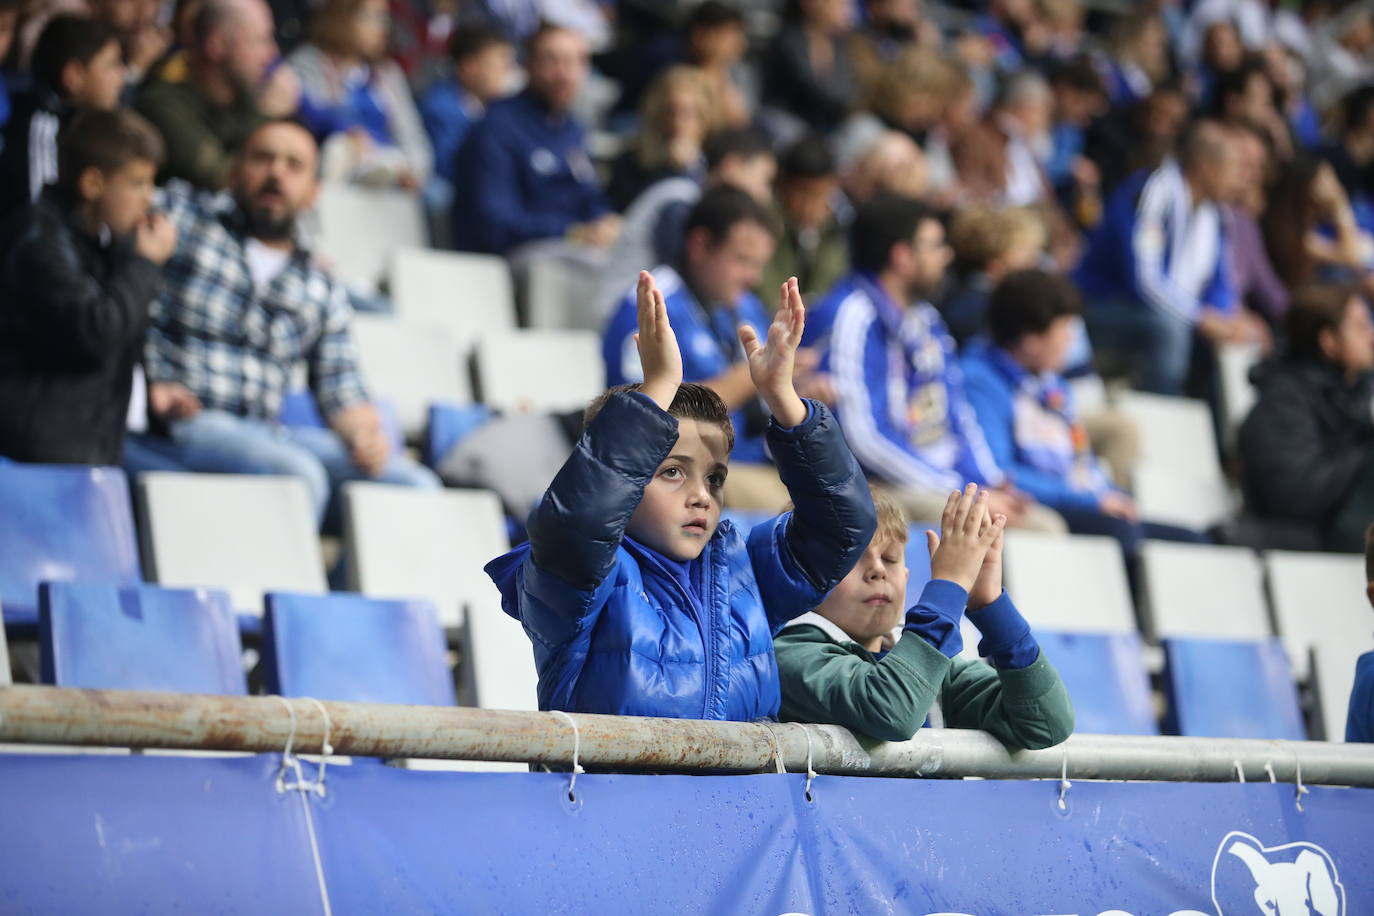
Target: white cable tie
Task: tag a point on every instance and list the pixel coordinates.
(1240, 771)
(1269, 768)
(577, 752)
(810, 770)
(1301, 789)
(1064, 783)
(326, 749)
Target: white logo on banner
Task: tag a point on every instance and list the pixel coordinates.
(1295, 879)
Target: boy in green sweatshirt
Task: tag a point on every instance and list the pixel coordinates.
(839, 664)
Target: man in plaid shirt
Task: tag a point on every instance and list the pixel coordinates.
(243, 305)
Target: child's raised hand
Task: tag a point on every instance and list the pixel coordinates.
(658, 351)
(987, 588)
(771, 364)
(966, 533)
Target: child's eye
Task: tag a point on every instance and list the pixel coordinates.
(891, 561)
(716, 480)
(672, 473)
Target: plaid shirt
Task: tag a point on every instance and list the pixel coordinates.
(233, 345)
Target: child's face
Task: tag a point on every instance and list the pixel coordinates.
(681, 505)
(125, 196)
(487, 74)
(98, 82)
(871, 600)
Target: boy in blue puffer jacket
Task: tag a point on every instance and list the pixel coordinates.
(638, 599)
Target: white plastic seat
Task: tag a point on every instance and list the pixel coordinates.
(411, 365)
(562, 294)
(434, 544)
(1038, 566)
(540, 370)
(1203, 591)
(1175, 433)
(360, 227)
(1333, 673)
(5, 677)
(1234, 362)
(1319, 598)
(1172, 497)
(465, 294)
(246, 534)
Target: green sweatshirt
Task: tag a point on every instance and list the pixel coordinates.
(202, 138)
(830, 679)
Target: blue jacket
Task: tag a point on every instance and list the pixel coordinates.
(613, 630)
(709, 342)
(901, 392)
(1359, 720)
(449, 112)
(522, 176)
(1157, 247)
(1032, 428)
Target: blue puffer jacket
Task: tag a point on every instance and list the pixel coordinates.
(614, 632)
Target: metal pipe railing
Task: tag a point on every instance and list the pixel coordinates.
(117, 718)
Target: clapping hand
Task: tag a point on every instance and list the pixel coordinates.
(772, 363)
(658, 351)
(967, 532)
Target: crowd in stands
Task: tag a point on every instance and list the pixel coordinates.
(989, 208)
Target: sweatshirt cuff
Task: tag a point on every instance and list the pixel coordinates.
(935, 617)
(801, 428)
(1007, 641)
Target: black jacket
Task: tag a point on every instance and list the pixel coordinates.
(28, 160)
(73, 314)
(1307, 439)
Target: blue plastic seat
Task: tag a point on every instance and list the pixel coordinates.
(62, 523)
(917, 560)
(1225, 689)
(351, 648)
(1106, 679)
(139, 638)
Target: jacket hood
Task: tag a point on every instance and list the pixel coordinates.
(505, 571)
(1311, 372)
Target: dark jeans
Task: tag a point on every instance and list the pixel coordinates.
(1156, 348)
(1128, 534)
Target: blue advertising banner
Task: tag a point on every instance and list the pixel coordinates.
(166, 835)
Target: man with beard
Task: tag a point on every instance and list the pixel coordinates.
(243, 306)
(900, 394)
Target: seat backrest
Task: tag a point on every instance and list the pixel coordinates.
(355, 649)
(1333, 672)
(61, 523)
(1203, 591)
(1319, 598)
(917, 560)
(140, 638)
(1231, 689)
(1171, 497)
(465, 294)
(1106, 679)
(563, 295)
(1234, 362)
(498, 661)
(412, 365)
(540, 370)
(360, 227)
(1175, 434)
(5, 678)
(247, 534)
(1074, 584)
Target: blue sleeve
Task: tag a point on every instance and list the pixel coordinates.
(447, 124)
(935, 616)
(1359, 720)
(489, 172)
(617, 345)
(976, 462)
(1221, 289)
(1007, 640)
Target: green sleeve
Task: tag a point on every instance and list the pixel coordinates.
(831, 684)
(1022, 708)
(194, 152)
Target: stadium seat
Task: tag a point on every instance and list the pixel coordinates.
(1231, 689)
(917, 560)
(447, 425)
(1074, 584)
(1333, 672)
(539, 370)
(360, 227)
(1178, 479)
(465, 294)
(410, 542)
(411, 365)
(62, 523)
(1203, 591)
(1318, 598)
(246, 534)
(139, 638)
(1234, 362)
(1106, 679)
(5, 677)
(355, 649)
(1168, 497)
(561, 295)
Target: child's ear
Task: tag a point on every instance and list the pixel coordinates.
(91, 184)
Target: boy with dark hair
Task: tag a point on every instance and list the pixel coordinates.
(1359, 718)
(483, 60)
(78, 273)
(846, 664)
(638, 599)
(77, 65)
(811, 244)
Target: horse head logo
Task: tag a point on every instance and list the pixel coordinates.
(1296, 879)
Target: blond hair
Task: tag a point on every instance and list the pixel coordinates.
(981, 235)
(891, 522)
(651, 144)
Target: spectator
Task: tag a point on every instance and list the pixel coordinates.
(717, 42)
(1137, 56)
(76, 66)
(655, 223)
(1309, 226)
(244, 307)
(998, 160)
(483, 61)
(637, 598)
(889, 29)
(891, 163)
(988, 244)
(1307, 447)
(676, 119)
(523, 174)
(727, 242)
(1080, 98)
(142, 38)
(1026, 410)
(900, 394)
(841, 665)
(1156, 275)
(1138, 136)
(229, 87)
(811, 75)
(357, 102)
(1257, 284)
(1222, 54)
(79, 270)
(1359, 719)
(1245, 97)
(811, 244)
(1352, 155)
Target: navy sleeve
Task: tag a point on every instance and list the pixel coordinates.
(1007, 639)
(935, 617)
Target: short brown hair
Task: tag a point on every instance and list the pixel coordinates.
(331, 27)
(891, 522)
(105, 140)
(1315, 308)
(692, 402)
